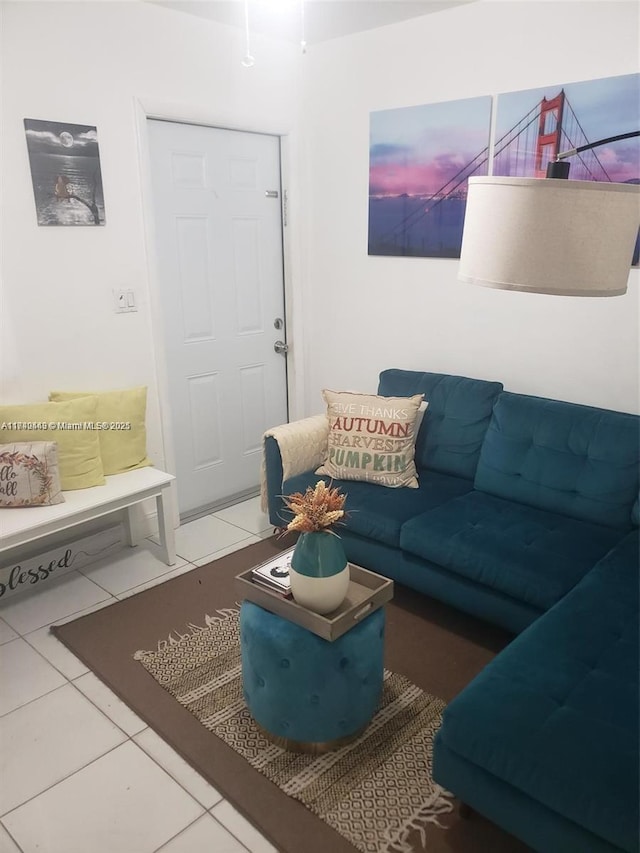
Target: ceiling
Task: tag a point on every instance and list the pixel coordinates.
(323, 19)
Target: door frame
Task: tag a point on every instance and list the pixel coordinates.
(146, 109)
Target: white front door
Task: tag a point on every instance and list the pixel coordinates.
(219, 247)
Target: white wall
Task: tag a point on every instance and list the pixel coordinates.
(364, 313)
(87, 63)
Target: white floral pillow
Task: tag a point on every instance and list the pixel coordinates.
(29, 474)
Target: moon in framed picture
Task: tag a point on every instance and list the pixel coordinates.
(65, 172)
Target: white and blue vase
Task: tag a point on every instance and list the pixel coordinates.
(319, 572)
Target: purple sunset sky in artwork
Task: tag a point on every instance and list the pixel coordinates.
(416, 150)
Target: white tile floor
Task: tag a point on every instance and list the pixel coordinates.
(79, 771)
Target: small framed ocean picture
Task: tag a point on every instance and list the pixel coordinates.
(65, 171)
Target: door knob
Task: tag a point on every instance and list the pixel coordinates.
(281, 348)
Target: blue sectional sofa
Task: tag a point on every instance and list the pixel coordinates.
(526, 516)
(544, 741)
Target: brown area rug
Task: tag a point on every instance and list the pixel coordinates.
(432, 646)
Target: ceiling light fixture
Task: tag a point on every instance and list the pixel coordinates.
(303, 37)
(248, 60)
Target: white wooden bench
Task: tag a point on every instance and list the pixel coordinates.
(19, 526)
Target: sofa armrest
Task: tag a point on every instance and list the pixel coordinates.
(288, 450)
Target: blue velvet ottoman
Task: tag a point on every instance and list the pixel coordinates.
(307, 693)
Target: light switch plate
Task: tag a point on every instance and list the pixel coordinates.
(124, 301)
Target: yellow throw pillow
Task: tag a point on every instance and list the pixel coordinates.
(121, 416)
(65, 423)
(372, 438)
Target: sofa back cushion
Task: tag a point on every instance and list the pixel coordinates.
(455, 422)
(563, 457)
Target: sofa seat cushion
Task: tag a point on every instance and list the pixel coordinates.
(378, 513)
(556, 713)
(528, 554)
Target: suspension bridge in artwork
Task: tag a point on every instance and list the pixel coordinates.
(432, 225)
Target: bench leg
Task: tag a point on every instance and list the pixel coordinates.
(165, 529)
(128, 524)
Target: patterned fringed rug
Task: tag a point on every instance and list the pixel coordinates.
(374, 792)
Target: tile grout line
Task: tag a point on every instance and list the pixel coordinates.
(36, 698)
(97, 606)
(113, 595)
(70, 683)
(162, 767)
(128, 737)
(169, 570)
(153, 582)
(251, 532)
(143, 587)
(25, 638)
(215, 516)
(132, 737)
(228, 549)
(174, 780)
(59, 781)
(220, 823)
(4, 621)
(6, 829)
(215, 819)
(178, 834)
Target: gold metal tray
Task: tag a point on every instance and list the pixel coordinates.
(366, 593)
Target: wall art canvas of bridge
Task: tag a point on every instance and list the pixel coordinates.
(535, 125)
(420, 159)
(65, 171)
